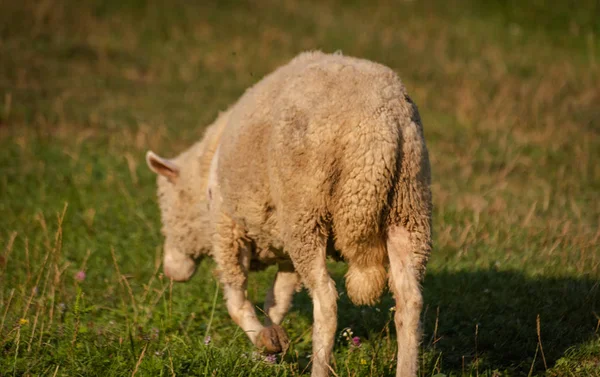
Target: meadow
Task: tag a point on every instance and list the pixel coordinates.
(509, 94)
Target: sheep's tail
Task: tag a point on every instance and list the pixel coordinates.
(382, 186)
(366, 279)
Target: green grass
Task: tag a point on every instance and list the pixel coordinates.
(508, 93)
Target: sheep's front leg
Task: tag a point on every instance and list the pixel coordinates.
(308, 253)
(279, 297)
(234, 275)
(242, 311)
(232, 254)
(270, 339)
(405, 285)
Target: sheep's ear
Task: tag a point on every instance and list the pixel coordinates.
(162, 166)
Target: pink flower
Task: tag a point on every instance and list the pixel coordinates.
(80, 276)
(271, 359)
(356, 341)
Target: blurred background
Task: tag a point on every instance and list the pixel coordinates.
(509, 94)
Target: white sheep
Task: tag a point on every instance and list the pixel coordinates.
(324, 156)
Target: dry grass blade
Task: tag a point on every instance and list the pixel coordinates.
(10, 297)
(539, 336)
(139, 361)
(123, 282)
(7, 250)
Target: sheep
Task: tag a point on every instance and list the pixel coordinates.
(323, 157)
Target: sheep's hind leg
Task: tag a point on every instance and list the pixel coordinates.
(405, 285)
(308, 253)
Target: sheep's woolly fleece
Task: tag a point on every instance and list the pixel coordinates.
(324, 156)
(327, 143)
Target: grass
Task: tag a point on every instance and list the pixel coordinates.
(508, 93)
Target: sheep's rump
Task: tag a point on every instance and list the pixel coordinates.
(325, 143)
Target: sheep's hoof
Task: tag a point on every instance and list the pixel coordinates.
(272, 339)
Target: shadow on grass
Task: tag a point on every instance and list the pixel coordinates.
(502, 305)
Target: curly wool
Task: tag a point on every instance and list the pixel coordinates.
(332, 143)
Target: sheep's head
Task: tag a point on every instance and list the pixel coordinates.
(180, 214)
